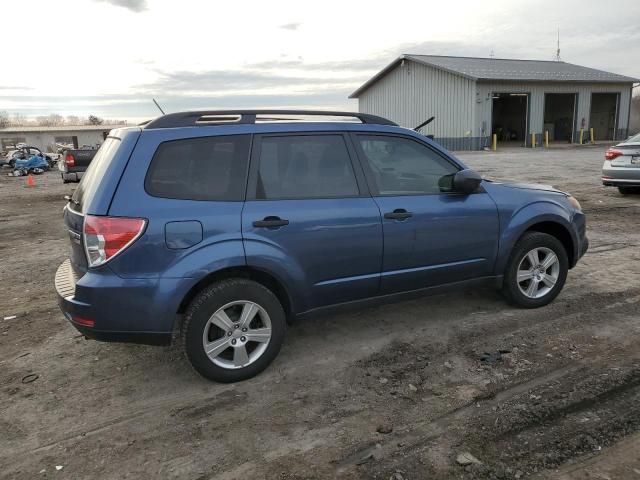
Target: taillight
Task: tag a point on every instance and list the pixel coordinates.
(612, 153)
(70, 160)
(106, 237)
(85, 322)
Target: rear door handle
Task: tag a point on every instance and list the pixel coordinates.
(270, 222)
(398, 214)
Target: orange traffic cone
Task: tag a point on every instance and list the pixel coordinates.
(30, 181)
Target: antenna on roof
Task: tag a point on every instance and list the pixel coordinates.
(157, 105)
(558, 59)
(491, 55)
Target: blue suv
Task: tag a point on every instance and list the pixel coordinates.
(219, 227)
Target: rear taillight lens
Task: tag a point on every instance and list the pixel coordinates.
(85, 322)
(106, 237)
(612, 153)
(70, 160)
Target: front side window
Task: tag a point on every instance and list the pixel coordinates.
(305, 166)
(207, 168)
(400, 166)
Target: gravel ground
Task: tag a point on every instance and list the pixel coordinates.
(394, 392)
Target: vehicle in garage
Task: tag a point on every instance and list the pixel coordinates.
(265, 218)
(622, 166)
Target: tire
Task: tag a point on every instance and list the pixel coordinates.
(233, 297)
(544, 285)
(628, 190)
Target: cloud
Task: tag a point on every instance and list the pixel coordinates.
(133, 5)
(141, 106)
(216, 82)
(291, 26)
(10, 87)
(372, 62)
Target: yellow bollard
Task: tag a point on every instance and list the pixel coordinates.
(581, 135)
(546, 138)
(494, 142)
(591, 135)
(533, 140)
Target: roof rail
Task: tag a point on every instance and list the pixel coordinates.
(226, 117)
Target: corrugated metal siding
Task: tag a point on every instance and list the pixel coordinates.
(536, 100)
(411, 94)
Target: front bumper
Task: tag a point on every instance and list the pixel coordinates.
(117, 307)
(581, 243)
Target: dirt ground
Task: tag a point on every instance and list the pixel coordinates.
(394, 392)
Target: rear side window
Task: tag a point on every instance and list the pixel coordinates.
(305, 166)
(207, 168)
(96, 170)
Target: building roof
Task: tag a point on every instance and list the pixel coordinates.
(61, 128)
(475, 68)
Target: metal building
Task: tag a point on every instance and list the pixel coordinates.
(473, 98)
(46, 138)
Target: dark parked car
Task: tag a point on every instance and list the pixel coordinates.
(222, 226)
(73, 164)
(622, 166)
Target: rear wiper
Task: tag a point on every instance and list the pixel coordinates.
(68, 198)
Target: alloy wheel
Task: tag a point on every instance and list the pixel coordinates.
(538, 272)
(237, 334)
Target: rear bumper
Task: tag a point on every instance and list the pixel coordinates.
(620, 176)
(121, 310)
(72, 176)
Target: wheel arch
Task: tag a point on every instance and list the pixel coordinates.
(262, 277)
(560, 232)
(544, 217)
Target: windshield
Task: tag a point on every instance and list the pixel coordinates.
(91, 179)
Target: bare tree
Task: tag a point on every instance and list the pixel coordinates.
(4, 119)
(93, 120)
(73, 120)
(18, 120)
(55, 120)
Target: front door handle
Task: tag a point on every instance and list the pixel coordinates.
(270, 222)
(398, 214)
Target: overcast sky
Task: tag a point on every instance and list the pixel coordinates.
(110, 57)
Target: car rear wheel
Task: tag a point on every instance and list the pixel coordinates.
(628, 190)
(536, 271)
(233, 330)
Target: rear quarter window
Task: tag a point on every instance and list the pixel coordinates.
(206, 168)
(95, 172)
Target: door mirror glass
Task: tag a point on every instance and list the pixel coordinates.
(466, 181)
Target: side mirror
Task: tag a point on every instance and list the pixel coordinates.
(466, 181)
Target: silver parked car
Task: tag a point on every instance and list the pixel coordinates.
(622, 166)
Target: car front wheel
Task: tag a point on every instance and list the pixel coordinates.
(233, 330)
(536, 271)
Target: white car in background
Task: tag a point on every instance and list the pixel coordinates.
(622, 166)
(23, 151)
